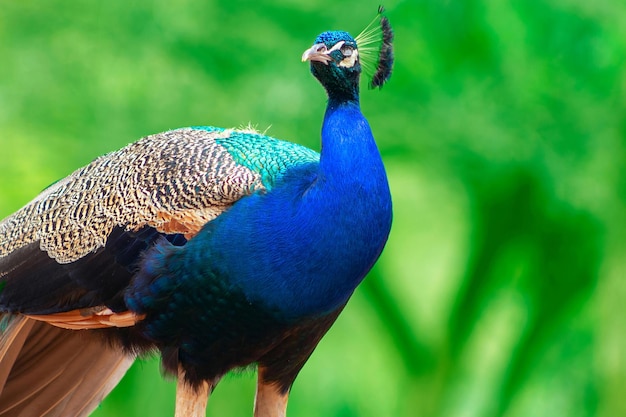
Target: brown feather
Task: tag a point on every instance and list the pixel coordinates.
(11, 341)
(48, 371)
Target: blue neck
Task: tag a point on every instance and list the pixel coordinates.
(347, 143)
(348, 210)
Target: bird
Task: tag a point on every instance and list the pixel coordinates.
(215, 248)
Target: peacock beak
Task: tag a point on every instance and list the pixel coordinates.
(318, 52)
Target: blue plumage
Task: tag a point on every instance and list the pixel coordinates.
(219, 248)
(295, 252)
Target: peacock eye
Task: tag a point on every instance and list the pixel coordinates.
(347, 50)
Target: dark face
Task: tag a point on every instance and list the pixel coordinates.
(335, 63)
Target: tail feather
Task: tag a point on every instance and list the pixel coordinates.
(49, 371)
(12, 339)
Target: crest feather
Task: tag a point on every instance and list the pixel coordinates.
(377, 40)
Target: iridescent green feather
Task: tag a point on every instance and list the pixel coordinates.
(264, 155)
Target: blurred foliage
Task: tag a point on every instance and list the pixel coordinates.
(502, 288)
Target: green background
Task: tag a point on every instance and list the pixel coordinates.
(501, 291)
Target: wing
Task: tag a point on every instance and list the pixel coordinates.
(174, 182)
(75, 246)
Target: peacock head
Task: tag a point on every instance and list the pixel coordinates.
(335, 63)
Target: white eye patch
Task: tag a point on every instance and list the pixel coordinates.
(350, 60)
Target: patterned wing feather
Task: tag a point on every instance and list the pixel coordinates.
(174, 181)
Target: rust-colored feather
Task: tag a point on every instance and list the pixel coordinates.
(92, 318)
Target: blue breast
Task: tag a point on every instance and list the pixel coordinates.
(302, 247)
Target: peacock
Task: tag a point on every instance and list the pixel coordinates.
(216, 248)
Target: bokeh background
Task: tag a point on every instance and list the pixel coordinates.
(502, 289)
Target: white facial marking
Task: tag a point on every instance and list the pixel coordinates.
(336, 47)
(349, 61)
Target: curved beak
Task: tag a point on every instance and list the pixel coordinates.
(317, 52)
(320, 53)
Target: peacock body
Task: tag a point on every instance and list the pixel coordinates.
(217, 248)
